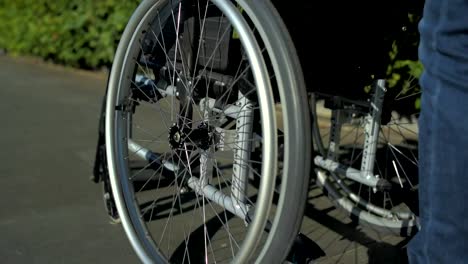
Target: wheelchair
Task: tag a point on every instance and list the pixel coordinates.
(219, 115)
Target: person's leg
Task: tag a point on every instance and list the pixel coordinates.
(443, 135)
(443, 182)
(416, 247)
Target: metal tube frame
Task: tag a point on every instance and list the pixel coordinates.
(371, 135)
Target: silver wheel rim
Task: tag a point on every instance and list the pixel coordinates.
(269, 151)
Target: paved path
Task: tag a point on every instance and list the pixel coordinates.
(49, 210)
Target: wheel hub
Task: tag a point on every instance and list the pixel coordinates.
(176, 137)
(201, 137)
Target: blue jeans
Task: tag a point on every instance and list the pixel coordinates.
(443, 135)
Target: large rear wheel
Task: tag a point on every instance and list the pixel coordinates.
(207, 132)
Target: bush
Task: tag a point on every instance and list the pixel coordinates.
(77, 33)
(405, 69)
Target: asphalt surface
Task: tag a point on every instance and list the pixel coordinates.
(50, 212)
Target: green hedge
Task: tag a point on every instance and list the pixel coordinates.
(79, 33)
(405, 69)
